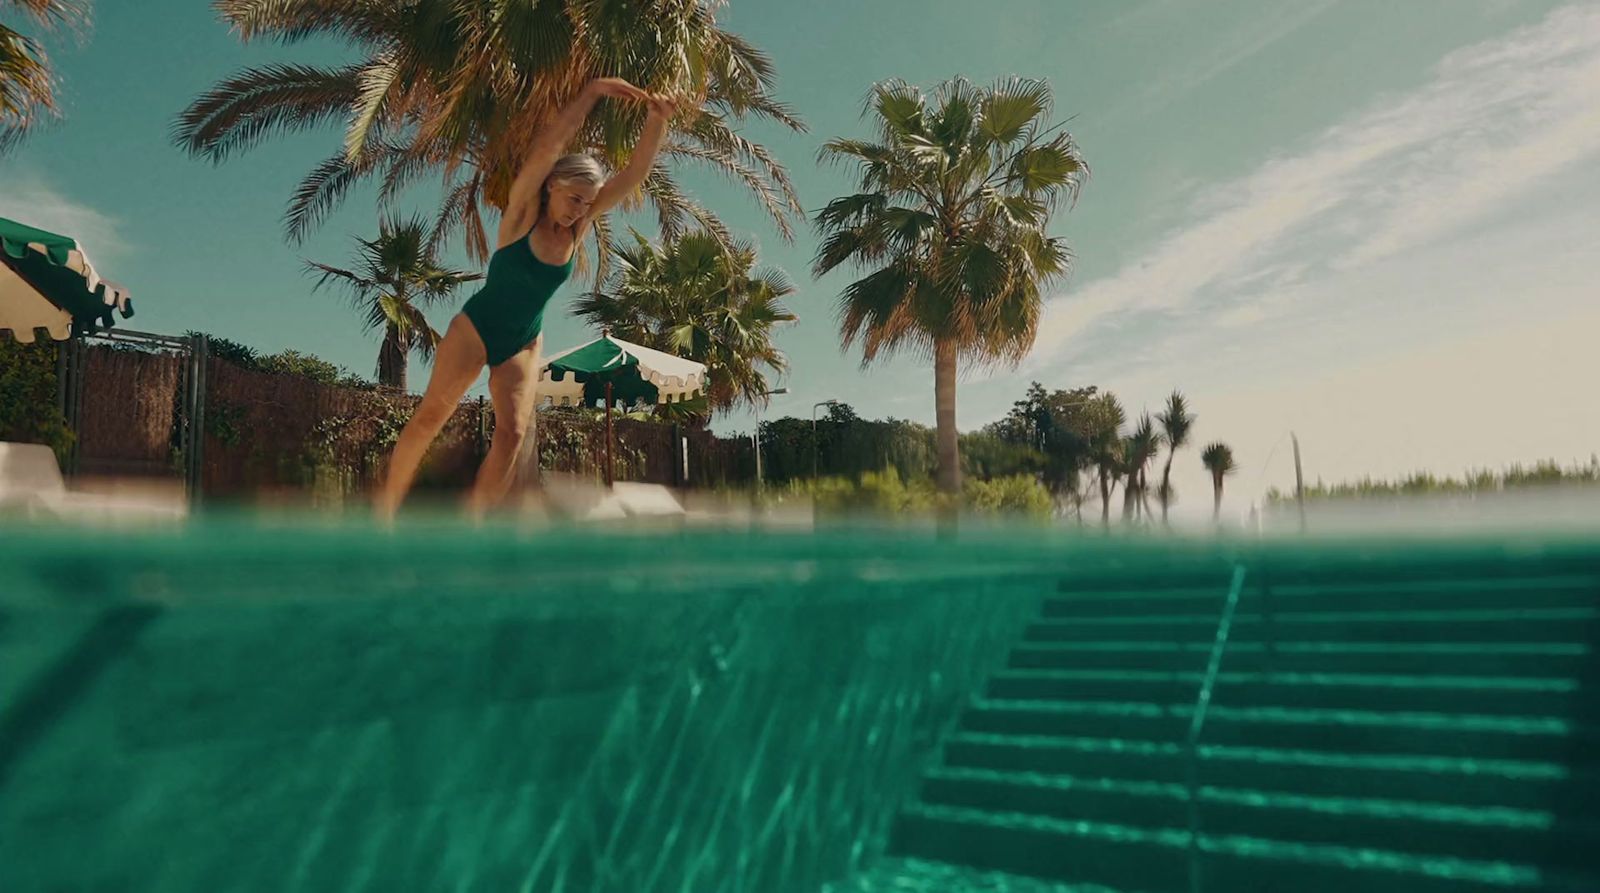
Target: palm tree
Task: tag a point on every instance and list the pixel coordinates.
(1105, 445)
(460, 88)
(1138, 449)
(1218, 459)
(27, 82)
(694, 297)
(949, 228)
(398, 271)
(1176, 423)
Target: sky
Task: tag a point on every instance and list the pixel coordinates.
(1367, 223)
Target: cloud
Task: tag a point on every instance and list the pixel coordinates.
(1496, 120)
(1276, 22)
(31, 200)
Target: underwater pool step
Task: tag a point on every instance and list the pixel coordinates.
(1496, 833)
(1567, 591)
(902, 875)
(1157, 859)
(1359, 691)
(1549, 659)
(1485, 737)
(1466, 781)
(1506, 625)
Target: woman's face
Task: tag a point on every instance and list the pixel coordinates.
(570, 200)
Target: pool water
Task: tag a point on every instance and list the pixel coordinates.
(248, 706)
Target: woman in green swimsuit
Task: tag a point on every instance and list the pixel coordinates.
(552, 202)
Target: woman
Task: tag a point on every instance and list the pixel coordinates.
(552, 202)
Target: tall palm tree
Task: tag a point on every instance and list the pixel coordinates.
(1218, 459)
(1105, 446)
(398, 276)
(27, 82)
(459, 88)
(1176, 423)
(696, 297)
(949, 228)
(1138, 449)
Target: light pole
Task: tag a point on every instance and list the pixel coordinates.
(760, 481)
(814, 408)
(1299, 482)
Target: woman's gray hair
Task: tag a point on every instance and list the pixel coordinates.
(577, 167)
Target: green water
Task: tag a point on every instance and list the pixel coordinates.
(262, 706)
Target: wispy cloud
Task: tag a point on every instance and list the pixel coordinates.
(1494, 121)
(31, 200)
(1277, 21)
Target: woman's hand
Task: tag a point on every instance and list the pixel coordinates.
(617, 88)
(662, 106)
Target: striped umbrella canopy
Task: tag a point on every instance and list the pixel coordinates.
(612, 371)
(637, 374)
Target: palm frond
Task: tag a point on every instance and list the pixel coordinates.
(290, 21)
(27, 85)
(256, 103)
(442, 85)
(56, 13)
(1012, 107)
(320, 192)
(899, 108)
(377, 80)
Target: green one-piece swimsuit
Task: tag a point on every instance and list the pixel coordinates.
(508, 311)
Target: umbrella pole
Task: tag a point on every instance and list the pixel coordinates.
(611, 469)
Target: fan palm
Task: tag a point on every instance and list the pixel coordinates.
(27, 82)
(460, 88)
(1218, 459)
(948, 227)
(703, 300)
(398, 276)
(1176, 423)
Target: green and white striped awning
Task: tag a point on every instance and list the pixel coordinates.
(637, 374)
(47, 282)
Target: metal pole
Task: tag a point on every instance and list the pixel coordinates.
(190, 398)
(202, 350)
(80, 376)
(1299, 482)
(813, 443)
(610, 468)
(186, 407)
(814, 408)
(61, 377)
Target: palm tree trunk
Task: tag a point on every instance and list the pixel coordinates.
(1216, 507)
(1105, 499)
(392, 358)
(944, 398)
(1166, 487)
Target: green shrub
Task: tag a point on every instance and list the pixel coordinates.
(28, 409)
(885, 493)
(1017, 495)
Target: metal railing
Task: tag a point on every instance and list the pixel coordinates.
(1197, 722)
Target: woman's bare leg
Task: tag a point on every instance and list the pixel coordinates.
(456, 365)
(513, 387)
